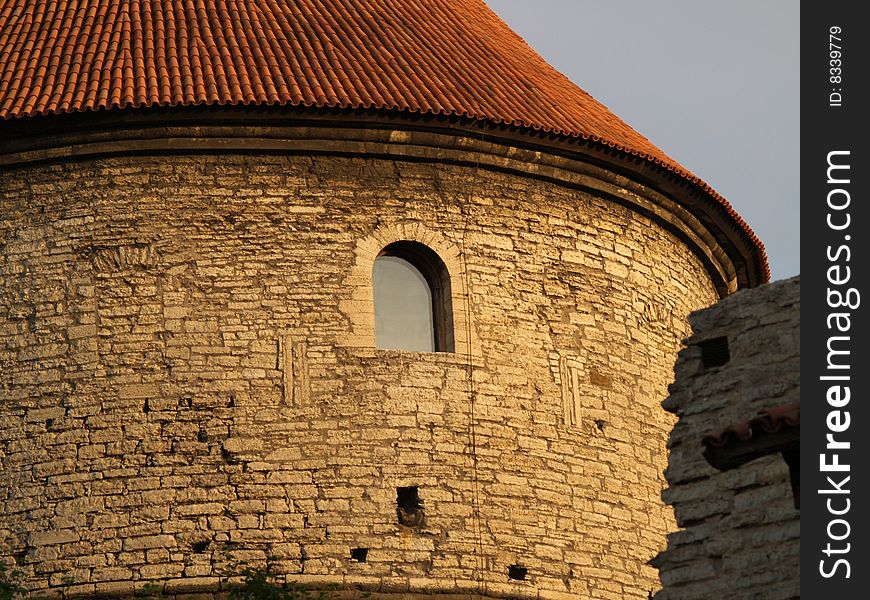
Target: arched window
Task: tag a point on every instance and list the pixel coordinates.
(412, 299)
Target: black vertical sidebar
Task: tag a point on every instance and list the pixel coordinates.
(835, 262)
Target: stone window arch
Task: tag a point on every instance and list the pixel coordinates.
(413, 303)
(359, 306)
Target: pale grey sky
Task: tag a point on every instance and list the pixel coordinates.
(713, 84)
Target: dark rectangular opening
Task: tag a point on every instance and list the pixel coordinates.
(408, 498)
(359, 554)
(517, 572)
(409, 507)
(715, 353)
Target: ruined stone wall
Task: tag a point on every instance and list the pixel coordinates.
(740, 528)
(187, 370)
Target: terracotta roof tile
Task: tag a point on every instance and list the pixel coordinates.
(450, 57)
(771, 420)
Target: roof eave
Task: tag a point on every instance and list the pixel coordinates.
(65, 136)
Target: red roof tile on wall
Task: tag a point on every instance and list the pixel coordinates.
(450, 57)
(771, 420)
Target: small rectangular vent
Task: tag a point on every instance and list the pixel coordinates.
(408, 498)
(359, 554)
(517, 572)
(715, 353)
(409, 506)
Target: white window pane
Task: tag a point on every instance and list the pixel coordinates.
(403, 306)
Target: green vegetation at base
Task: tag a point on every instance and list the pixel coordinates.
(9, 586)
(260, 584)
(256, 584)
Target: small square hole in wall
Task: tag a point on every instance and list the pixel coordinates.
(200, 547)
(359, 554)
(517, 572)
(409, 507)
(715, 353)
(408, 498)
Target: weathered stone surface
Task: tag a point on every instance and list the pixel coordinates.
(187, 356)
(742, 528)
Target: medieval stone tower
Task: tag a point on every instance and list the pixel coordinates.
(193, 197)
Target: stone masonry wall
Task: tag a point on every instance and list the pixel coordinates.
(740, 528)
(185, 374)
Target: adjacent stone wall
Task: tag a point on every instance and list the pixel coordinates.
(184, 375)
(741, 530)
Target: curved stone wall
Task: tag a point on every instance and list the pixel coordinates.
(188, 372)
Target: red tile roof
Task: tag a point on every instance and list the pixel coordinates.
(771, 420)
(450, 57)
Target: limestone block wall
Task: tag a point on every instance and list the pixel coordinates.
(740, 530)
(187, 371)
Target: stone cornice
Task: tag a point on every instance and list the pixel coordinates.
(729, 255)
